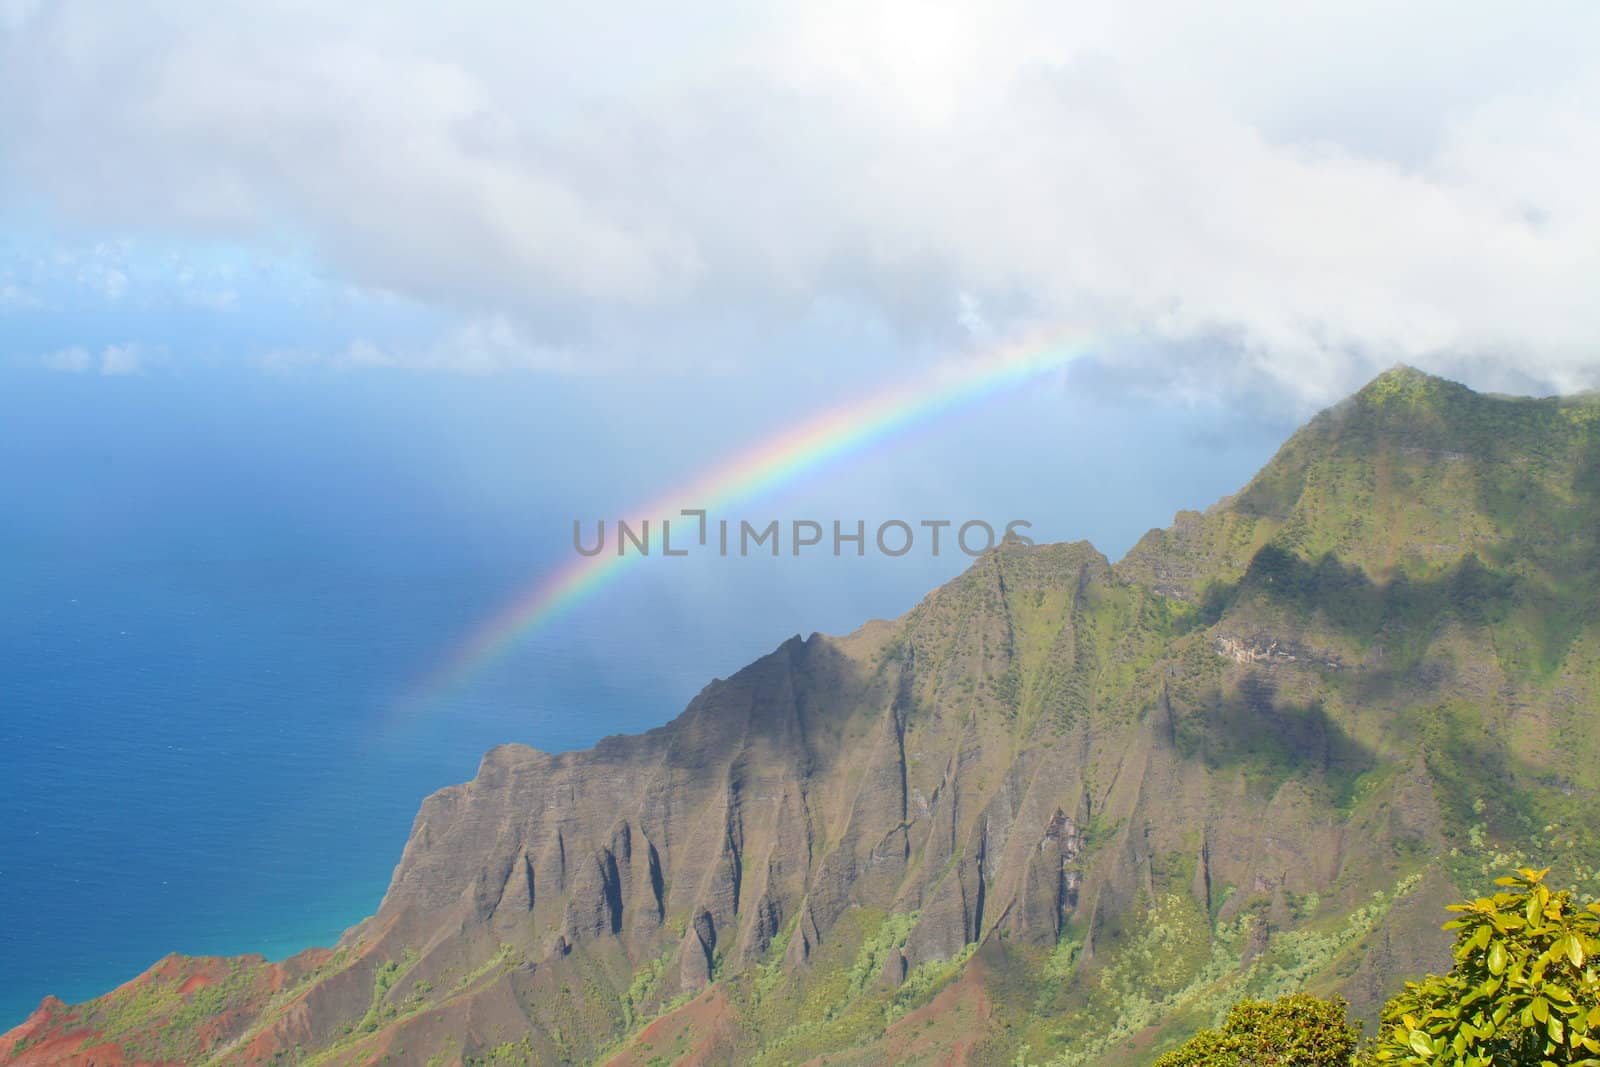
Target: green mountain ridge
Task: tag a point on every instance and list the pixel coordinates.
(1063, 812)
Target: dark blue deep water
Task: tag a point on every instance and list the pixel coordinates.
(214, 591)
(210, 602)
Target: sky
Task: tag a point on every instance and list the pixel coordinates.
(516, 262)
(1240, 201)
(321, 322)
(551, 259)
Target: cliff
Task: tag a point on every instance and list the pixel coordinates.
(1063, 811)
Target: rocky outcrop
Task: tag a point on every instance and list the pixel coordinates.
(1047, 761)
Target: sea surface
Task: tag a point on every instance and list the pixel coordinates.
(218, 601)
(198, 756)
(213, 597)
(219, 596)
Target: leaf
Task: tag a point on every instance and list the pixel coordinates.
(1497, 959)
(1420, 1043)
(1575, 951)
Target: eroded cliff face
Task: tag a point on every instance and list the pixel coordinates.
(1061, 809)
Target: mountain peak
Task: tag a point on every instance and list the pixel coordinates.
(1292, 720)
(1405, 372)
(1405, 387)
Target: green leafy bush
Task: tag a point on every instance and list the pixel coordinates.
(1523, 990)
(1294, 1031)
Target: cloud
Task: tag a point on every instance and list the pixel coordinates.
(478, 346)
(1289, 200)
(13, 295)
(114, 361)
(110, 282)
(117, 360)
(73, 360)
(14, 13)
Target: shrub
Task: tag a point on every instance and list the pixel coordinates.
(1523, 991)
(1294, 1031)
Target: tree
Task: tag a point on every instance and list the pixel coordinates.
(1294, 1031)
(1523, 991)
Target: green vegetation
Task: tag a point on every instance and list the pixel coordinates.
(1523, 990)
(508, 1054)
(383, 1009)
(1175, 967)
(158, 1020)
(1294, 1031)
(1523, 993)
(1126, 803)
(644, 991)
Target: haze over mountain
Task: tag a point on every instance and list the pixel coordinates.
(1064, 811)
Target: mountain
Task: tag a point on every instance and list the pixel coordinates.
(1062, 812)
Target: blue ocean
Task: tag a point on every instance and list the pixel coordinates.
(213, 595)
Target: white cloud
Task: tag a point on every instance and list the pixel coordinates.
(103, 270)
(1290, 196)
(112, 362)
(479, 346)
(971, 318)
(117, 360)
(495, 343)
(13, 295)
(73, 360)
(211, 293)
(14, 13)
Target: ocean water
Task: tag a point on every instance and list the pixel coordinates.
(214, 596)
(197, 756)
(210, 599)
(215, 592)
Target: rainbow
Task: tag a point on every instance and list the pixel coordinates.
(798, 450)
